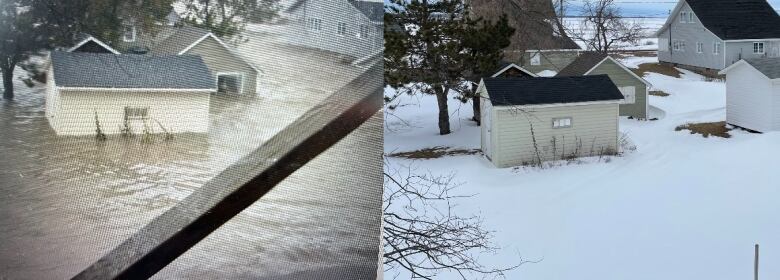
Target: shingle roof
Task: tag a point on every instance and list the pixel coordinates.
(100, 70)
(768, 66)
(375, 11)
(583, 64)
(182, 38)
(738, 19)
(556, 90)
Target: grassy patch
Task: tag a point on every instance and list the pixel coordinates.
(658, 93)
(706, 129)
(435, 152)
(657, 68)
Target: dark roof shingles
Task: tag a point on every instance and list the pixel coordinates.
(768, 66)
(738, 19)
(556, 90)
(582, 64)
(100, 70)
(375, 11)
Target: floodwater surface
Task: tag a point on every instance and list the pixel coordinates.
(66, 201)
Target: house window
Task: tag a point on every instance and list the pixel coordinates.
(561, 122)
(758, 48)
(716, 48)
(128, 33)
(364, 31)
(136, 113)
(229, 83)
(683, 16)
(629, 94)
(699, 47)
(314, 24)
(679, 45)
(690, 17)
(342, 29)
(536, 59)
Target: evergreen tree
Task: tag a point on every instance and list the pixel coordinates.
(435, 48)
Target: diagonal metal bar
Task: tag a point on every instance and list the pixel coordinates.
(177, 230)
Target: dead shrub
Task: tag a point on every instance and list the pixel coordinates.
(706, 129)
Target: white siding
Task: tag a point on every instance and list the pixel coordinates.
(176, 111)
(690, 33)
(487, 118)
(748, 98)
(594, 130)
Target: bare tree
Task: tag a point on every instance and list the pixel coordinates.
(603, 28)
(423, 235)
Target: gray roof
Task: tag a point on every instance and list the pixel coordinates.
(582, 64)
(104, 70)
(768, 66)
(738, 19)
(557, 90)
(375, 11)
(182, 38)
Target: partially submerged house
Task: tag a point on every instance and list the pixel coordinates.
(753, 94)
(527, 121)
(125, 90)
(633, 87)
(713, 34)
(349, 27)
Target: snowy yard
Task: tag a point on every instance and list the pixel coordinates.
(679, 207)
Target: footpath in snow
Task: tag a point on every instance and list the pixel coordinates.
(679, 207)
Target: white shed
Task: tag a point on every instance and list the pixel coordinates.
(531, 120)
(753, 94)
(125, 90)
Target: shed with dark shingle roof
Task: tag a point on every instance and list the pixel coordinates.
(556, 90)
(753, 94)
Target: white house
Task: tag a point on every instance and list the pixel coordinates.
(753, 94)
(125, 90)
(531, 120)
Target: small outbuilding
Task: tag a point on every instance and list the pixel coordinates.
(753, 94)
(633, 87)
(127, 91)
(526, 121)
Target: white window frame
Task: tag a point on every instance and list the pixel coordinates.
(361, 29)
(759, 48)
(240, 76)
(690, 17)
(716, 48)
(313, 24)
(536, 58)
(629, 94)
(679, 45)
(683, 16)
(125, 33)
(138, 109)
(341, 28)
(699, 47)
(563, 122)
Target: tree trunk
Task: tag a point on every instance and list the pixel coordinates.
(475, 104)
(444, 113)
(8, 83)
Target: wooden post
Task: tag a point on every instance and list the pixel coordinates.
(755, 265)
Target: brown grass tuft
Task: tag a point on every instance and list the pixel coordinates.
(658, 93)
(706, 129)
(435, 152)
(657, 68)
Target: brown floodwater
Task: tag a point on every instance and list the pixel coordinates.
(66, 201)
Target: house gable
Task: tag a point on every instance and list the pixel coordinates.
(729, 19)
(92, 45)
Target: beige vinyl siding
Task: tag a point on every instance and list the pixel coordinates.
(176, 111)
(621, 78)
(595, 126)
(218, 59)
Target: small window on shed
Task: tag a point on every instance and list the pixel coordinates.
(128, 33)
(536, 59)
(629, 94)
(561, 122)
(229, 83)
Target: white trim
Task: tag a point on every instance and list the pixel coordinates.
(647, 84)
(240, 74)
(751, 40)
(763, 48)
(514, 107)
(124, 38)
(93, 39)
(188, 48)
(512, 65)
(134, 89)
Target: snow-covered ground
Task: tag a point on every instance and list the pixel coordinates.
(679, 207)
